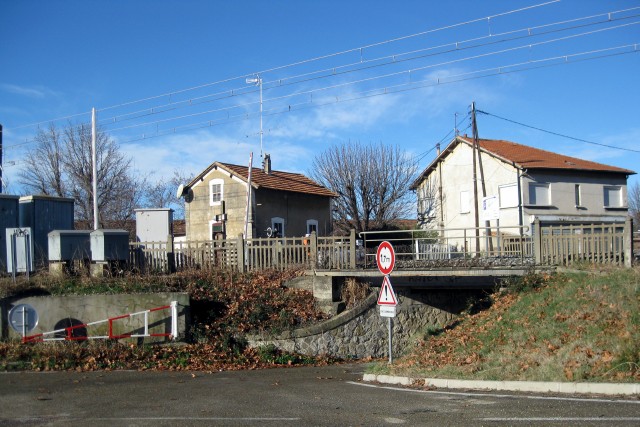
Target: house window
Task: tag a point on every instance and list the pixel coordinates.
(613, 196)
(539, 194)
(277, 225)
(464, 202)
(312, 226)
(216, 188)
(508, 195)
(577, 195)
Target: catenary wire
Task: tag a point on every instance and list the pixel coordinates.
(557, 134)
(394, 74)
(239, 91)
(399, 88)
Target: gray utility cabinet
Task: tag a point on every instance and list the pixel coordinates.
(19, 250)
(109, 245)
(69, 245)
(8, 219)
(43, 214)
(154, 225)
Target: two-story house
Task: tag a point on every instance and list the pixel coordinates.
(281, 203)
(525, 183)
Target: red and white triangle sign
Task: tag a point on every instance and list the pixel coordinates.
(387, 296)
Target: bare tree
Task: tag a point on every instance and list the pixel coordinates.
(634, 203)
(372, 183)
(61, 165)
(162, 194)
(428, 202)
(44, 172)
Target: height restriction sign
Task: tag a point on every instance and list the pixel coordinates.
(385, 258)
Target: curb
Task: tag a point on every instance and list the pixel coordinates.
(526, 386)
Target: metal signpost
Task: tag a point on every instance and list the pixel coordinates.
(387, 301)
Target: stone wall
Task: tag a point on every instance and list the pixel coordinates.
(362, 332)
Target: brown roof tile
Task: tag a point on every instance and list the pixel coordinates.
(276, 180)
(523, 157)
(534, 158)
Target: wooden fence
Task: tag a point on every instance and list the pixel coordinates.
(593, 243)
(545, 245)
(329, 253)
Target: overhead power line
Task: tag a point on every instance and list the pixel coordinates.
(392, 59)
(386, 90)
(293, 64)
(558, 134)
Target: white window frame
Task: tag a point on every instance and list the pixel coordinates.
(607, 196)
(213, 182)
(312, 222)
(577, 194)
(503, 200)
(465, 202)
(536, 202)
(277, 220)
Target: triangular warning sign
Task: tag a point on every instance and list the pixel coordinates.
(387, 296)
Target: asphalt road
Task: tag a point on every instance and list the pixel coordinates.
(327, 396)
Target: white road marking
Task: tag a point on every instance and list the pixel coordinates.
(489, 394)
(563, 419)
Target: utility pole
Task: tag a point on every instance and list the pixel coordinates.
(476, 146)
(475, 181)
(1, 180)
(257, 80)
(94, 168)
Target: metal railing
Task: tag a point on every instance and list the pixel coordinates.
(423, 248)
(539, 244)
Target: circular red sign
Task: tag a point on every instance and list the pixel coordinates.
(385, 258)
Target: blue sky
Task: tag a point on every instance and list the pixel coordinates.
(168, 78)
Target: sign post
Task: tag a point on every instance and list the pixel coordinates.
(386, 260)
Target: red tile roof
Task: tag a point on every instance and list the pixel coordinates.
(534, 158)
(276, 180)
(524, 157)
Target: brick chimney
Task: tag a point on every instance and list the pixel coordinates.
(267, 164)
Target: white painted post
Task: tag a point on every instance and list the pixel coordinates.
(174, 320)
(146, 323)
(94, 168)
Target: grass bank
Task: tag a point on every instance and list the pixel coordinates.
(574, 326)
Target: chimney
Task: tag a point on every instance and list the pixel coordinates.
(267, 164)
(438, 148)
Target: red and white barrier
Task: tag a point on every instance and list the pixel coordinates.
(69, 331)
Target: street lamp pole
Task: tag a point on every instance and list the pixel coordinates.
(258, 81)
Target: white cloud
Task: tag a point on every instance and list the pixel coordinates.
(36, 92)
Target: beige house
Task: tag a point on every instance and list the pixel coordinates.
(521, 184)
(282, 203)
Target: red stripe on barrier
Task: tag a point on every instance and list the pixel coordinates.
(159, 308)
(32, 338)
(120, 317)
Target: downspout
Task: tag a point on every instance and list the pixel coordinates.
(520, 207)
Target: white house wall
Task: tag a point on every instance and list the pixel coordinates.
(457, 176)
